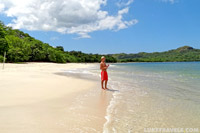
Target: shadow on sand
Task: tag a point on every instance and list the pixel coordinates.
(111, 90)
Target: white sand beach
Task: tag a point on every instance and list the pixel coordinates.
(34, 99)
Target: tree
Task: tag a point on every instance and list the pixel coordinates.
(3, 42)
(60, 48)
(3, 46)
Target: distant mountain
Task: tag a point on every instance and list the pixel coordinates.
(185, 53)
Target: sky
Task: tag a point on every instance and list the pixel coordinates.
(107, 26)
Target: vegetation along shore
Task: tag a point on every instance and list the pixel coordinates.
(21, 47)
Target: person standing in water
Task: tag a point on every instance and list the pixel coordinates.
(104, 74)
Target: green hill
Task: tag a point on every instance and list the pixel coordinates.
(21, 47)
(185, 53)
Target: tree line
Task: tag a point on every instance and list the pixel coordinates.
(21, 47)
(182, 54)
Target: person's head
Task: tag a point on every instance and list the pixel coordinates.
(103, 58)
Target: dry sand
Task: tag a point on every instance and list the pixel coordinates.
(33, 99)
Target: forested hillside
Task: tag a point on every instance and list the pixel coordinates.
(21, 47)
(185, 53)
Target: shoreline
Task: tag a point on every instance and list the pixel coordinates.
(34, 99)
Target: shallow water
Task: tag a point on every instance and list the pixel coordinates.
(151, 95)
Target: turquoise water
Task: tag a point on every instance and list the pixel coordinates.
(153, 95)
(147, 95)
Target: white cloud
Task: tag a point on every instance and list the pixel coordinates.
(1, 7)
(65, 16)
(122, 3)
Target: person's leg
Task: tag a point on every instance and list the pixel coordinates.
(106, 81)
(102, 84)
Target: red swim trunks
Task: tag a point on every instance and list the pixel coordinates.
(104, 75)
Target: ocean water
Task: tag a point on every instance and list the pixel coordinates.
(154, 95)
(151, 95)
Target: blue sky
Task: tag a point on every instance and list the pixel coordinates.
(161, 25)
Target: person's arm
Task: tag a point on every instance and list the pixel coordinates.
(103, 67)
(106, 67)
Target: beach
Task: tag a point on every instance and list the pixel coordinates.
(49, 97)
(34, 98)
